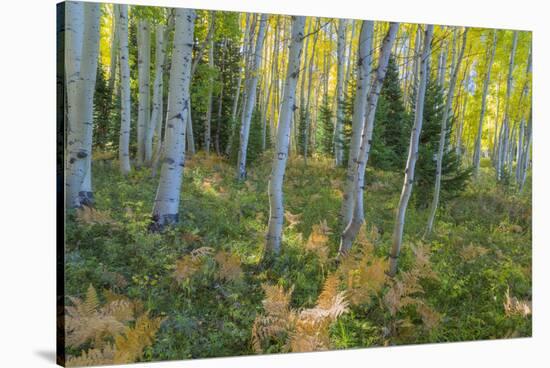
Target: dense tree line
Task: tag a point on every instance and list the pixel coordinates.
(151, 86)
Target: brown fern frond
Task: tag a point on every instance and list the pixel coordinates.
(89, 215)
(186, 267)
(317, 241)
(472, 252)
(514, 306)
(277, 300)
(330, 291)
(201, 253)
(129, 346)
(430, 317)
(229, 266)
(92, 357)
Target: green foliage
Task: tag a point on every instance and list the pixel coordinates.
(106, 114)
(392, 125)
(454, 177)
(254, 148)
(325, 128)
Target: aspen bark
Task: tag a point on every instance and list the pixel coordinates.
(521, 140)
(503, 146)
(166, 205)
(156, 114)
(339, 131)
(208, 122)
(248, 107)
(361, 160)
(364, 60)
(80, 128)
(125, 105)
(308, 99)
(477, 150)
(442, 133)
(406, 190)
(275, 185)
(144, 75)
(114, 51)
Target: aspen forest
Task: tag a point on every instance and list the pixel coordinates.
(242, 183)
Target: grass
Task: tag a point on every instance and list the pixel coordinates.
(481, 247)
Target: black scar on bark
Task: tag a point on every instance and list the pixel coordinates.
(81, 154)
(169, 160)
(159, 223)
(72, 160)
(86, 198)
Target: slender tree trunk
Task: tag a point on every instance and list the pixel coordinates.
(495, 137)
(125, 104)
(248, 108)
(361, 160)
(413, 154)
(443, 133)
(477, 151)
(144, 74)
(114, 51)
(157, 112)
(359, 111)
(275, 186)
(80, 129)
(208, 122)
(526, 153)
(308, 99)
(524, 94)
(503, 147)
(339, 130)
(166, 205)
(161, 132)
(220, 100)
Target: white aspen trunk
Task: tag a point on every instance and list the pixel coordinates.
(144, 75)
(274, 81)
(364, 59)
(239, 77)
(339, 129)
(266, 94)
(526, 153)
(521, 139)
(74, 31)
(308, 99)
(362, 157)
(208, 122)
(275, 185)
(477, 150)
(156, 114)
(519, 150)
(159, 144)
(114, 51)
(442, 133)
(442, 70)
(125, 105)
(248, 107)
(220, 99)
(80, 129)
(495, 137)
(406, 190)
(350, 54)
(166, 205)
(503, 147)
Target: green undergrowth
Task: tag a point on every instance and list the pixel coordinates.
(480, 250)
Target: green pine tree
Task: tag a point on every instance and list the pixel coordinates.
(392, 127)
(454, 176)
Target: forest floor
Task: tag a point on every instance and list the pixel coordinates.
(480, 251)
